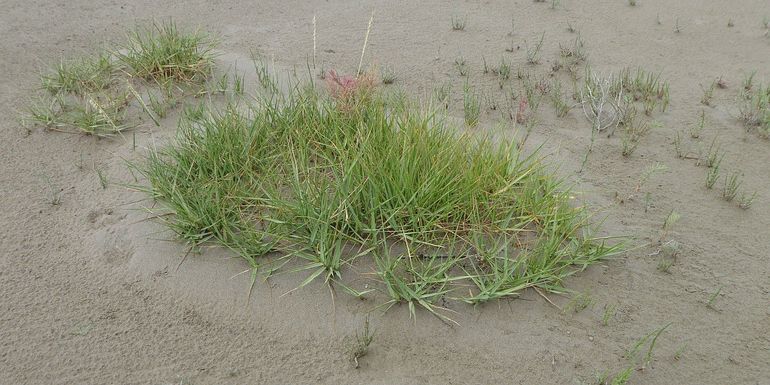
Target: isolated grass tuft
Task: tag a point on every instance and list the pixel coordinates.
(80, 76)
(161, 52)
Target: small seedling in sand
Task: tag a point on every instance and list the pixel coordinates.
(54, 194)
(490, 101)
(664, 264)
(632, 3)
(669, 252)
(442, 94)
(222, 83)
(714, 155)
(650, 340)
(754, 110)
(730, 23)
(609, 313)
(266, 78)
(388, 75)
(712, 298)
(657, 19)
(533, 52)
(697, 129)
(766, 22)
(570, 28)
(732, 184)
(677, 26)
(580, 302)
(503, 70)
(158, 106)
(678, 147)
(458, 23)
(748, 81)
(680, 352)
(471, 106)
(461, 67)
(238, 82)
(708, 94)
(746, 200)
(623, 376)
(671, 218)
(648, 172)
(363, 340)
(712, 175)
(555, 3)
(102, 178)
(559, 104)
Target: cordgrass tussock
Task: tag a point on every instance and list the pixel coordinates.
(330, 179)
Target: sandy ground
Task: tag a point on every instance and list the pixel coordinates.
(91, 292)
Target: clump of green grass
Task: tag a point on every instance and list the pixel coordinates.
(91, 95)
(99, 115)
(161, 52)
(642, 86)
(80, 76)
(330, 179)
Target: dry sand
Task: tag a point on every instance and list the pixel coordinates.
(91, 293)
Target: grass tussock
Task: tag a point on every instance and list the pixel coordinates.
(331, 178)
(162, 52)
(91, 95)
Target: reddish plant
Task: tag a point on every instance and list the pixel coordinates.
(521, 114)
(349, 90)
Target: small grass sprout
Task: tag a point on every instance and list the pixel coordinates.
(745, 201)
(608, 314)
(388, 75)
(713, 297)
(533, 52)
(708, 94)
(471, 106)
(362, 342)
(732, 183)
(458, 23)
